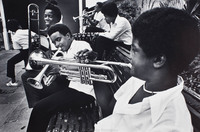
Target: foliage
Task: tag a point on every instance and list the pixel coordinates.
(128, 9)
(131, 9)
(191, 76)
(145, 5)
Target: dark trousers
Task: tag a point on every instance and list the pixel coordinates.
(93, 29)
(34, 95)
(103, 46)
(22, 55)
(49, 100)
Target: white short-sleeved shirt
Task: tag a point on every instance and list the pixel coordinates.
(20, 39)
(75, 47)
(120, 30)
(165, 111)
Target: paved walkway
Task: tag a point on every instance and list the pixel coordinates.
(14, 111)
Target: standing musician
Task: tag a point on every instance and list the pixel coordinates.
(59, 96)
(97, 21)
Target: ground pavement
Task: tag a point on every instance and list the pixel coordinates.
(14, 111)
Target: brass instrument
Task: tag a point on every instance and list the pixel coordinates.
(90, 13)
(33, 25)
(83, 74)
(36, 82)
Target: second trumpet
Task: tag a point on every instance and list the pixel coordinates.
(90, 13)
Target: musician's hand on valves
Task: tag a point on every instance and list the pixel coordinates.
(86, 16)
(86, 56)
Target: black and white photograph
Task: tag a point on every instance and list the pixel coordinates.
(99, 65)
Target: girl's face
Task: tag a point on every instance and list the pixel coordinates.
(49, 17)
(141, 64)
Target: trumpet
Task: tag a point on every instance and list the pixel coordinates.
(90, 13)
(83, 74)
(36, 82)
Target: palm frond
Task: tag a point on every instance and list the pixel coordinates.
(150, 4)
(194, 9)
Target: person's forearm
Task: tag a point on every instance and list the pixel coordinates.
(93, 23)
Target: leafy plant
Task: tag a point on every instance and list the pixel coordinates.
(128, 9)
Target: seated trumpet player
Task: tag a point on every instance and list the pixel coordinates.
(59, 95)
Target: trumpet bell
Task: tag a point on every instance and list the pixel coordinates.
(34, 83)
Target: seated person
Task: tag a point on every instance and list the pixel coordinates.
(97, 22)
(165, 41)
(151, 100)
(58, 96)
(120, 31)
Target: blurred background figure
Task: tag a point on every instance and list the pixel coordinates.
(96, 20)
(19, 39)
(119, 35)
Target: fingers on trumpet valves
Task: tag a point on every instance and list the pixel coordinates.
(86, 56)
(82, 53)
(83, 59)
(82, 56)
(86, 16)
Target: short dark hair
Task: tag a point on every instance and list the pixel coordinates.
(170, 32)
(52, 5)
(100, 4)
(13, 25)
(110, 9)
(61, 28)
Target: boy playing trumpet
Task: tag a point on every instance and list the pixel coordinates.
(58, 97)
